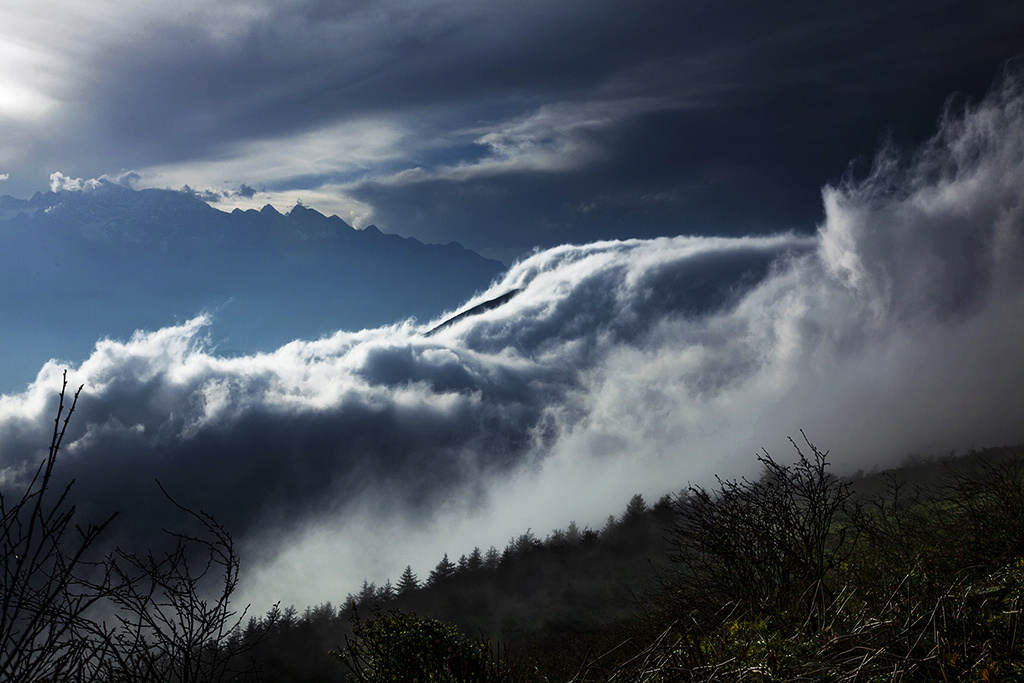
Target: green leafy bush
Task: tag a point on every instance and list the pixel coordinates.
(399, 646)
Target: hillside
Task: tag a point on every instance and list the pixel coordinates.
(920, 576)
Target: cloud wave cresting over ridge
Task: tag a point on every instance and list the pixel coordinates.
(619, 367)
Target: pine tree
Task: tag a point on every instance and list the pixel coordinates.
(492, 559)
(407, 582)
(445, 569)
(475, 561)
(635, 510)
(610, 526)
(521, 545)
(573, 536)
(663, 506)
(367, 595)
(386, 593)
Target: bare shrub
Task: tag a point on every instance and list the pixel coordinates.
(766, 547)
(174, 616)
(49, 580)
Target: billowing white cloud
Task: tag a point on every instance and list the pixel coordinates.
(618, 367)
(60, 182)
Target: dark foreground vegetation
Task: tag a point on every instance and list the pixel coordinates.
(73, 610)
(915, 574)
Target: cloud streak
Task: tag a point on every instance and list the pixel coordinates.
(619, 367)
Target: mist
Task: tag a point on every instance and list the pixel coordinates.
(618, 367)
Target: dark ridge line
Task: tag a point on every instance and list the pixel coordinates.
(476, 310)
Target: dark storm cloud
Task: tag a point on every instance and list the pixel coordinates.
(776, 103)
(510, 125)
(293, 67)
(619, 366)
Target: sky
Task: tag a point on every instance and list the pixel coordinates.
(616, 367)
(501, 125)
(727, 223)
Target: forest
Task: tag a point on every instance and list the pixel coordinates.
(912, 574)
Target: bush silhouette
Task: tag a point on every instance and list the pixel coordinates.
(50, 579)
(768, 547)
(68, 613)
(400, 646)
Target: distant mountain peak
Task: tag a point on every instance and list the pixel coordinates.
(312, 224)
(300, 209)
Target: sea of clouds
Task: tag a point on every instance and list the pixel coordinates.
(617, 368)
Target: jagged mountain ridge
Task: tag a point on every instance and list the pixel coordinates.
(114, 214)
(76, 266)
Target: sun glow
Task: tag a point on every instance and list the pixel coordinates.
(20, 98)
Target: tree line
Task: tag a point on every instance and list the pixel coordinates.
(913, 574)
(492, 559)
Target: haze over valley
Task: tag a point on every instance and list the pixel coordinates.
(617, 367)
(371, 283)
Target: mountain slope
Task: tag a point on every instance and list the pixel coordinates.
(78, 266)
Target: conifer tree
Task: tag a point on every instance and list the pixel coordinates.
(521, 545)
(367, 595)
(407, 582)
(445, 569)
(492, 559)
(663, 506)
(635, 510)
(475, 561)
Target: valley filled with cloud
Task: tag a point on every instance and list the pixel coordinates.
(616, 367)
